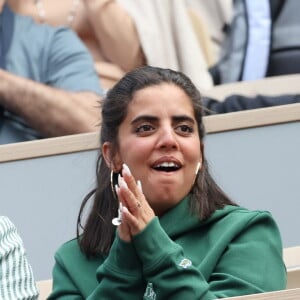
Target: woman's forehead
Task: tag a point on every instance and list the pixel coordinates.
(165, 97)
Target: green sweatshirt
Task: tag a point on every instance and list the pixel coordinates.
(234, 252)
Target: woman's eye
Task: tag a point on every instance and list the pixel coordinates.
(185, 129)
(144, 128)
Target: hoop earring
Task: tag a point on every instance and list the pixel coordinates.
(113, 182)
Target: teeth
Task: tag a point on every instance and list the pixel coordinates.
(167, 165)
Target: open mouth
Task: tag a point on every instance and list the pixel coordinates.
(167, 167)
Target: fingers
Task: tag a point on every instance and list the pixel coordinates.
(133, 190)
(124, 230)
(138, 212)
(134, 224)
(135, 187)
(130, 195)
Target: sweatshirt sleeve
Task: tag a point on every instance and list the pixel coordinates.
(173, 276)
(169, 272)
(63, 287)
(252, 262)
(120, 276)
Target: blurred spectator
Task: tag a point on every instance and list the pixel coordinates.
(248, 40)
(125, 34)
(262, 40)
(16, 277)
(103, 25)
(236, 103)
(168, 38)
(48, 85)
(214, 15)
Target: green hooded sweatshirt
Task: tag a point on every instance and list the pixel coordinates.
(234, 252)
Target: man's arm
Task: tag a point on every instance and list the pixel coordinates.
(50, 80)
(49, 110)
(116, 33)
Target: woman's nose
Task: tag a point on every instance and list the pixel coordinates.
(167, 139)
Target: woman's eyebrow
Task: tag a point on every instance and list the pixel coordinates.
(183, 118)
(147, 118)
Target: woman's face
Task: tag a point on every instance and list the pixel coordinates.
(159, 141)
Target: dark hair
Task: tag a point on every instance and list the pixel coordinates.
(206, 196)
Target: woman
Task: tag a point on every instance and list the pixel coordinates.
(179, 236)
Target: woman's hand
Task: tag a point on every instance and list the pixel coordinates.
(136, 212)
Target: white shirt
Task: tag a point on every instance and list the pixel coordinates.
(16, 277)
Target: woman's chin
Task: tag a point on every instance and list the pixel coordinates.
(164, 200)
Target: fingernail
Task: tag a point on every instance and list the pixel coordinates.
(124, 209)
(117, 189)
(139, 184)
(119, 179)
(120, 211)
(126, 170)
(122, 182)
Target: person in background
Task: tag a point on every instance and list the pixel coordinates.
(261, 40)
(168, 38)
(16, 276)
(103, 25)
(214, 16)
(235, 103)
(178, 235)
(48, 84)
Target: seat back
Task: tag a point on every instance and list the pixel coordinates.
(291, 257)
(44, 287)
(292, 294)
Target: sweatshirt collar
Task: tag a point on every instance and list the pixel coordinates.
(180, 219)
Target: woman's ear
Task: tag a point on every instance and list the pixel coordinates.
(111, 158)
(107, 154)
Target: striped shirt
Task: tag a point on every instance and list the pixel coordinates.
(16, 277)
